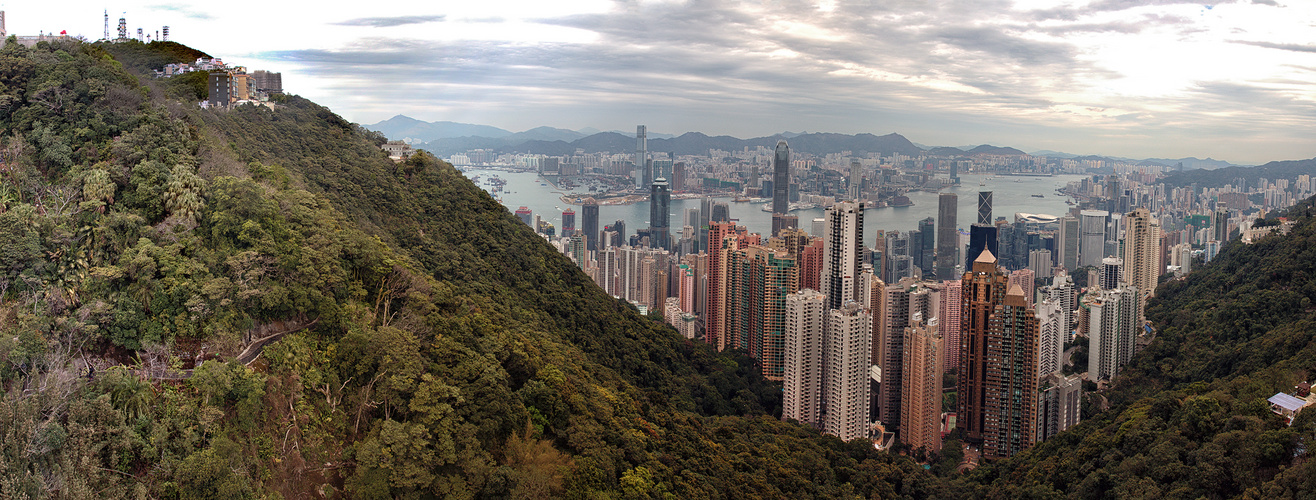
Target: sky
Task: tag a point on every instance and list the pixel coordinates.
(1227, 79)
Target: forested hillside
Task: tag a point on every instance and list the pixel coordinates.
(436, 347)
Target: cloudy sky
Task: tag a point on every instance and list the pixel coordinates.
(1233, 80)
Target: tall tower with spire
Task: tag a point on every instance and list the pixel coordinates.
(781, 178)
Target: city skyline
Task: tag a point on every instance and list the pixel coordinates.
(1229, 80)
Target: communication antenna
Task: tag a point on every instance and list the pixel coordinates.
(107, 25)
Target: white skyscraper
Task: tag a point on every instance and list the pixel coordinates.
(1051, 341)
(1092, 237)
(1112, 330)
(849, 334)
(802, 380)
(842, 253)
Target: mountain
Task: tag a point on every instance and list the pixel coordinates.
(689, 143)
(399, 127)
(1191, 163)
(1251, 175)
(543, 134)
(987, 149)
(946, 151)
(1052, 154)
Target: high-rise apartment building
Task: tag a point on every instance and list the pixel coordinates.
(1010, 378)
(948, 320)
(846, 369)
(1112, 329)
(1059, 404)
(948, 237)
(1142, 251)
(920, 406)
(982, 289)
(843, 253)
(901, 303)
(781, 178)
(1111, 273)
(760, 279)
(1051, 337)
(568, 223)
(715, 321)
(802, 378)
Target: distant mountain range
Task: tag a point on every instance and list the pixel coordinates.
(445, 138)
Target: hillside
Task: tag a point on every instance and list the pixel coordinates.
(1219, 177)
(451, 352)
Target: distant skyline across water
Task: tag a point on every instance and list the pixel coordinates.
(1010, 195)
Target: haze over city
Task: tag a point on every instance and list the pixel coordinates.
(1226, 79)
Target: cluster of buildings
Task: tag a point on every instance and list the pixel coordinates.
(228, 86)
(861, 337)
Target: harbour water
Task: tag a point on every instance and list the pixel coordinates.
(1010, 195)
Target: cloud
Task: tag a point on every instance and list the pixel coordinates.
(1281, 46)
(389, 22)
(184, 11)
(1271, 3)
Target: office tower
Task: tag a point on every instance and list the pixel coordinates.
(855, 189)
(1039, 261)
(524, 214)
(802, 380)
(678, 177)
(721, 213)
(1051, 337)
(715, 321)
(1111, 273)
(1112, 329)
(705, 216)
(1067, 243)
(842, 252)
(568, 223)
(927, 250)
(589, 223)
(660, 201)
(660, 167)
(920, 406)
(1142, 251)
(641, 159)
(1092, 242)
(984, 208)
(819, 227)
(947, 236)
(948, 318)
(619, 229)
(781, 178)
(1010, 378)
(845, 369)
(982, 289)
(1059, 404)
(981, 237)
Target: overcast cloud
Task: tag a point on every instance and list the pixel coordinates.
(1230, 79)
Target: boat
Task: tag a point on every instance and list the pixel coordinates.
(1037, 196)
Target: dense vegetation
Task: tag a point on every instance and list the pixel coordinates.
(453, 353)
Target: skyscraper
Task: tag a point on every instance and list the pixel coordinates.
(1067, 243)
(1112, 330)
(525, 215)
(642, 173)
(901, 303)
(589, 223)
(920, 405)
(981, 237)
(1111, 273)
(947, 236)
(568, 222)
(927, 250)
(781, 178)
(1051, 338)
(855, 189)
(660, 201)
(1059, 404)
(1142, 251)
(982, 289)
(1010, 396)
(715, 321)
(948, 317)
(802, 381)
(846, 371)
(842, 252)
(984, 208)
(1092, 241)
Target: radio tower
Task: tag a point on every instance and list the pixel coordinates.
(107, 26)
